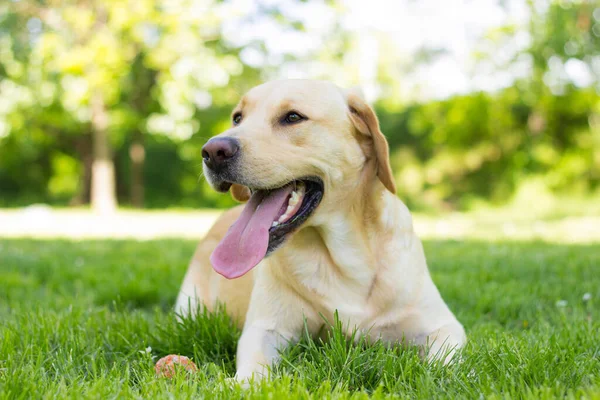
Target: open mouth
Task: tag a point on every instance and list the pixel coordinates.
(268, 218)
(301, 202)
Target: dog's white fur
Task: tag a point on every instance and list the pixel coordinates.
(357, 254)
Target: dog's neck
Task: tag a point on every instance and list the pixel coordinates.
(358, 233)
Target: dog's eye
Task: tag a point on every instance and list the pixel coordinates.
(292, 117)
(237, 118)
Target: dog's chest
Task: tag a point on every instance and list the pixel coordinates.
(354, 292)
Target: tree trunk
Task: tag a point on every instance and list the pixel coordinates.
(137, 155)
(83, 146)
(103, 192)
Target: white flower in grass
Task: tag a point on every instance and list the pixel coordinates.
(561, 303)
(147, 350)
(587, 297)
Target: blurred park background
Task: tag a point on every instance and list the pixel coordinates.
(485, 103)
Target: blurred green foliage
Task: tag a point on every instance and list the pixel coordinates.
(168, 80)
(455, 151)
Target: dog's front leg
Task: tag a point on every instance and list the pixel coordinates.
(258, 349)
(275, 318)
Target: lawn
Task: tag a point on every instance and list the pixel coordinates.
(87, 320)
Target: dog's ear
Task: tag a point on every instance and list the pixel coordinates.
(365, 121)
(240, 193)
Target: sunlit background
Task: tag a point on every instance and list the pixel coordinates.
(491, 107)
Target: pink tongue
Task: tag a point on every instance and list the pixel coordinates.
(246, 241)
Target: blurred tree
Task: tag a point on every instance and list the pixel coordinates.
(79, 48)
(119, 68)
(112, 72)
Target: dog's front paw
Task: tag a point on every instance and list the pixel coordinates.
(244, 383)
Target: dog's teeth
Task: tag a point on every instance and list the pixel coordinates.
(274, 224)
(296, 196)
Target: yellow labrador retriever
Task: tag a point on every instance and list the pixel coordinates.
(322, 230)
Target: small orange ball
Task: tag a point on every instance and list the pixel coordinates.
(167, 365)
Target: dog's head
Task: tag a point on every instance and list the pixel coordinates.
(296, 149)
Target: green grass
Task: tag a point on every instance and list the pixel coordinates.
(76, 318)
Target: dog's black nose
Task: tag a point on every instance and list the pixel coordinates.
(218, 151)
